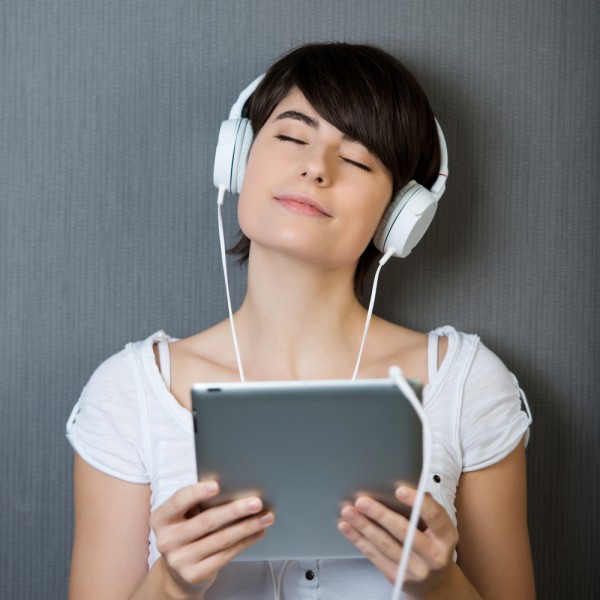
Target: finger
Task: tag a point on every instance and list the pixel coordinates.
(386, 565)
(384, 541)
(201, 572)
(383, 563)
(218, 517)
(437, 544)
(186, 531)
(222, 540)
(387, 518)
(184, 500)
(424, 546)
(439, 524)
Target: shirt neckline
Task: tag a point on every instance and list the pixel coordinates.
(183, 416)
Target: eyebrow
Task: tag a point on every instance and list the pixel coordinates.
(299, 116)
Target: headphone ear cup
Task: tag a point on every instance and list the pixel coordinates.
(224, 153)
(240, 155)
(405, 220)
(235, 139)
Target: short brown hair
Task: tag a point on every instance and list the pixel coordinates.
(369, 96)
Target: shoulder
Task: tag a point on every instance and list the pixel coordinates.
(205, 356)
(392, 344)
(209, 353)
(476, 372)
(494, 415)
(111, 373)
(477, 401)
(108, 415)
(118, 371)
(485, 373)
(392, 338)
(467, 358)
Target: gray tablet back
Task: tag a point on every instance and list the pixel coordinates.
(306, 448)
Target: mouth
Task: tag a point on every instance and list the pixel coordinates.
(301, 204)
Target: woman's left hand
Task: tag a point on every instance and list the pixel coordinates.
(379, 533)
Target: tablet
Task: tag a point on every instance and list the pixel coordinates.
(306, 448)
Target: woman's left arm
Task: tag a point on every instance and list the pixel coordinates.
(493, 549)
(493, 542)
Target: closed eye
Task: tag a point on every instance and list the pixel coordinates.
(357, 164)
(287, 138)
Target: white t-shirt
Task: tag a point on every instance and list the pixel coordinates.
(128, 425)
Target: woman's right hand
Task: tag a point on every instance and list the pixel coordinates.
(196, 545)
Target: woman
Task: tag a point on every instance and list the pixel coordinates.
(338, 131)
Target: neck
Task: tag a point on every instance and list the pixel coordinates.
(298, 320)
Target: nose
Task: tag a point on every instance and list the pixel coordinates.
(317, 167)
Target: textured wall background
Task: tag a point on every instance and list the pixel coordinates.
(109, 112)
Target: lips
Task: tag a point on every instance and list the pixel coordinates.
(301, 204)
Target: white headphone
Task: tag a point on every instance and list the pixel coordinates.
(406, 218)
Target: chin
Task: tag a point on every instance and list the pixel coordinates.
(297, 238)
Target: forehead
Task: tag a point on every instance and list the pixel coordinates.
(295, 100)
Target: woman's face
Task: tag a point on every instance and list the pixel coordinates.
(309, 190)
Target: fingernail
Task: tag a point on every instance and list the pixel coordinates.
(267, 519)
(349, 513)
(363, 504)
(253, 504)
(344, 528)
(402, 492)
(211, 487)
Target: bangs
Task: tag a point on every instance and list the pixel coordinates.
(349, 96)
(366, 94)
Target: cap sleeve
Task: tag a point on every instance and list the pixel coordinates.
(105, 427)
(494, 416)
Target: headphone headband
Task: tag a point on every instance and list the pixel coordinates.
(439, 186)
(236, 109)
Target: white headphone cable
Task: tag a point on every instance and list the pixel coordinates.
(222, 190)
(389, 252)
(396, 375)
(277, 582)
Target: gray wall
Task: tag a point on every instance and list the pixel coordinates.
(109, 111)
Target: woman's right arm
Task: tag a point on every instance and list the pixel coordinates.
(110, 546)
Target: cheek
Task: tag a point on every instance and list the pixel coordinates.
(246, 210)
(354, 234)
(362, 229)
(245, 213)
(368, 215)
(380, 207)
